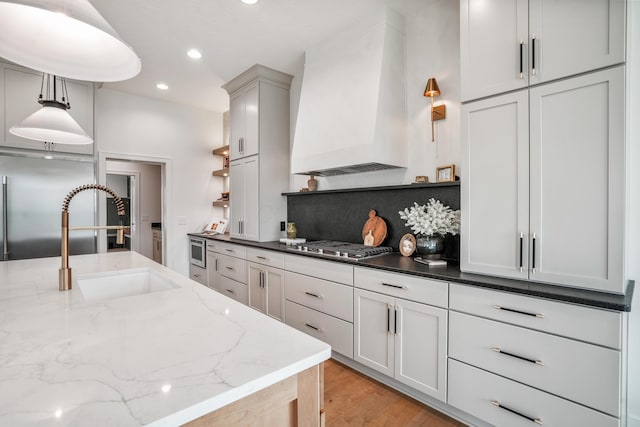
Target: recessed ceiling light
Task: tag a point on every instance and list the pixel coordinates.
(195, 54)
(249, 1)
(162, 86)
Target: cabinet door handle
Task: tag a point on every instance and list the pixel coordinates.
(533, 254)
(521, 59)
(521, 251)
(520, 414)
(395, 320)
(394, 286)
(262, 279)
(513, 310)
(526, 359)
(216, 267)
(231, 291)
(388, 318)
(309, 325)
(311, 294)
(533, 55)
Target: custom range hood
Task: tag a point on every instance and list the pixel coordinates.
(352, 113)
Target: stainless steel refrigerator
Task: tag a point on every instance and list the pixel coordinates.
(33, 189)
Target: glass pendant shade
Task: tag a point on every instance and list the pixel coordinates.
(52, 123)
(67, 38)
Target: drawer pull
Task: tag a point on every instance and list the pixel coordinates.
(229, 250)
(309, 325)
(262, 257)
(394, 286)
(526, 359)
(311, 294)
(513, 310)
(231, 291)
(533, 420)
(229, 268)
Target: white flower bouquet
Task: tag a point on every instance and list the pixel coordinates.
(431, 219)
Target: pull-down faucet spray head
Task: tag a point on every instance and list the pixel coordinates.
(65, 270)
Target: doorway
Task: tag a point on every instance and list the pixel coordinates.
(125, 185)
(141, 183)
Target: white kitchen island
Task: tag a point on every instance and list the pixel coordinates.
(163, 358)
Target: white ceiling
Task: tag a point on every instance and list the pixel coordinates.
(232, 37)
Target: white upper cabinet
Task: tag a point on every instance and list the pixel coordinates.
(577, 181)
(495, 191)
(244, 129)
(259, 152)
(543, 194)
(509, 44)
(493, 37)
(19, 90)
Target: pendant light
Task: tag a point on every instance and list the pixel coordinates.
(52, 122)
(66, 38)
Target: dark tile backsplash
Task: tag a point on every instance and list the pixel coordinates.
(341, 215)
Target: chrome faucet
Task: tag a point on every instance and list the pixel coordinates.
(65, 270)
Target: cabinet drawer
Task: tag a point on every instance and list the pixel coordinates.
(270, 258)
(578, 371)
(335, 332)
(586, 324)
(233, 268)
(329, 270)
(328, 297)
(432, 292)
(236, 290)
(212, 245)
(473, 391)
(198, 274)
(237, 251)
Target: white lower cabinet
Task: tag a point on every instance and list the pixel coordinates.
(266, 289)
(198, 274)
(516, 359)
(319, 300)
(213, 278)
(234, 289)
(506, 403)
(335, 332)
(402, 339)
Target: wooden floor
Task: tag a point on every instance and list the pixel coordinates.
(353, 399)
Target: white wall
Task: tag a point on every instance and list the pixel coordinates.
(137, 126)
(633, 205)
(433, 50)
(149, 199)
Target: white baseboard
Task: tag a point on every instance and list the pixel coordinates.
(632, 421)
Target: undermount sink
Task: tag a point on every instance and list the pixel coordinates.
(122, 283)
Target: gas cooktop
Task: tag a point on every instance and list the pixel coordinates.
(345, 250)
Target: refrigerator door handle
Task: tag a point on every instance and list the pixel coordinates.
(5, 227)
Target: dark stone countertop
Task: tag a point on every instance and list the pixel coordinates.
(399, 264)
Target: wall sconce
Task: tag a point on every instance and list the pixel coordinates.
(438, 112)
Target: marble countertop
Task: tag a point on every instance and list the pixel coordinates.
(399, 264)
(160, 359)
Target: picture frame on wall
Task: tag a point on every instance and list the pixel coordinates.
(446, 173)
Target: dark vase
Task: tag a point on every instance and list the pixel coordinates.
(430, 247)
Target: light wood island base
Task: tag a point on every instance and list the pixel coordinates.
(296, 401)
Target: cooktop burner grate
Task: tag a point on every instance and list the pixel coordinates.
(330, 248)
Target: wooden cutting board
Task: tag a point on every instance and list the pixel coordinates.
(374, 231)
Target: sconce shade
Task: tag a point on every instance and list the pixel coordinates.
(67, 38)
(52, 123)
(432, 88)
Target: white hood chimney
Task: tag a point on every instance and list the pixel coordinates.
(352, 114)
